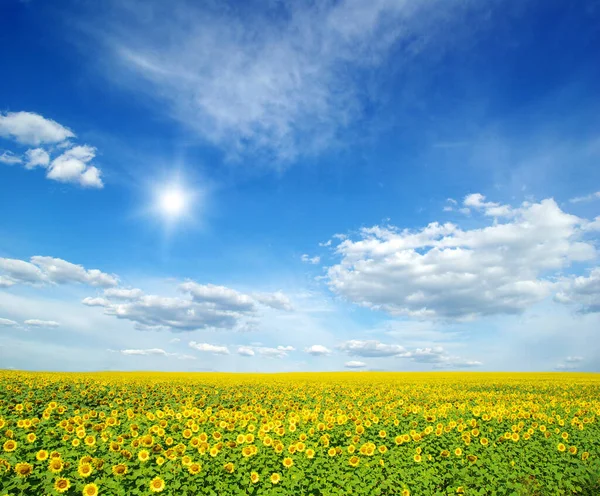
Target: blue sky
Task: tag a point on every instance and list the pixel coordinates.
(283, 186)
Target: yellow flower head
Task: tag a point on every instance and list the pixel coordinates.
(119, 470)
(10, 446)
(254, 477)
(23, 469)
(229, 467)
(41, 455)
(55, 465)
(85, 470)
(157, 485)
(62, 485)
(90, 490)
(275, 478)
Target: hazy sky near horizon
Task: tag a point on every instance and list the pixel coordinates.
(300, 186)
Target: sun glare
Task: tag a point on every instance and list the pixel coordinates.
(172, 202)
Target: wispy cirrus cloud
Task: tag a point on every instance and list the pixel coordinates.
(281, 79)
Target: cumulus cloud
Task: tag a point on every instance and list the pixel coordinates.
(36, 157)
(443, 271)
(209, 348)
(155, 352)
(314, 260)
(41, 323)
(353, 364)
(8, 323)
(51, 270)
(317, 350)
(9, 158)
(439, 358)
(245, 351)
(151, 351)
(73, 166)
(435, 356)
(582, 291)
(569, 363)
(29, 128)
(277, 300)
(279, 352)
(123, 294)
(370, 348)
(203, 307)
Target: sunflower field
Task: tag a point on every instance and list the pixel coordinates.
(365, 433)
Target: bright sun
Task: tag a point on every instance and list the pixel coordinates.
(172, 202)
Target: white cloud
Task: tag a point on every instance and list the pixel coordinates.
(209, 348)
(9, 158)
(317, 350)
(353, 364)
(41, 323)
(95, 302)
(36, 157)
(61, 272)
(314, 260)
(174, 340)
(491, 209)
(123, 294)
(8, 323)
(442, 271)
(277, 300)
(150, 351)
(204, 307)
(582, 291)
(245, 351)
(570, 363)
(574, 359)
(72, 166)
(29, 128)
(439, 358)
(370, 348)
(279, 352)
(276, 81)
(586, 198)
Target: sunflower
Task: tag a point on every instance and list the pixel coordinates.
(472, 458)
(55, 465)
(31, 437)
(160, 460)
(23, 469)
(143, 456)
(275, 478)
(573, 450)
(310, 453)
(229, 467)
(194, 468)
(41, 455)
(405, 492)
(354, 461)
(85, 470)
(561, 447)
(9, 446)
(157, 485)
(90, 440)
(120, 469)
(62, 485)
(254, 477)
(458, 452)
(417, 458)
(288, 462)
(332, 452)
(585, 455)
(90, 490)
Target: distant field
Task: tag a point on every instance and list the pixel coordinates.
(299, 434)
